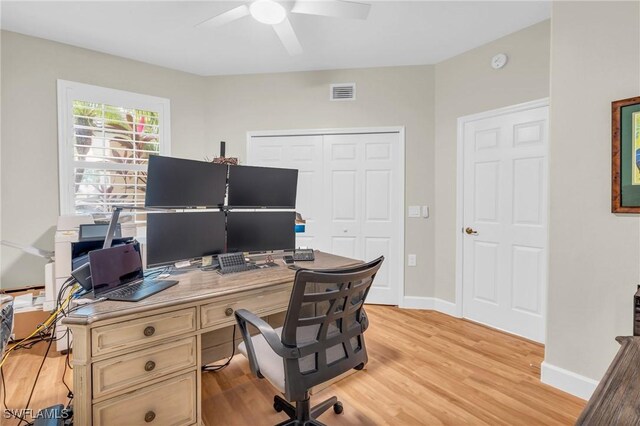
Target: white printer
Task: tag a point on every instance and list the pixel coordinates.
(70, 244)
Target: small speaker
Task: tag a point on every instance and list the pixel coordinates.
(223, 148)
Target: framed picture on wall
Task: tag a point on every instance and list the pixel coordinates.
(625, 156)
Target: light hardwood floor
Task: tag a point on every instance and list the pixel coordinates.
(424, 368)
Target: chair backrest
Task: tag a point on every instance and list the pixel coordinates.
(325, 321)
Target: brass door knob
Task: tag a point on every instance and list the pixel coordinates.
(148, 331)
(149, 366)
(470, 231)
(149, 417)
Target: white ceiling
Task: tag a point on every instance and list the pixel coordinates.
(163, 33)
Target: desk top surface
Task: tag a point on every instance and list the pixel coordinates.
(195, 285)
(615, 400)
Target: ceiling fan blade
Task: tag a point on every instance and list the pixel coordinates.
(288, 37)
(333, 8)
(226, 17)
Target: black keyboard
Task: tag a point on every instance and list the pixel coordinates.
(303, 255)
(130, 289)
(140, 290)
(234, 262)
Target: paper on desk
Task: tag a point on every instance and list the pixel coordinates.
(23, 301)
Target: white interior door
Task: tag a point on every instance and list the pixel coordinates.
(505, 221)
(350, 191)
(362, 180)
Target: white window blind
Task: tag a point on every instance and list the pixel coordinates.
(106, 137)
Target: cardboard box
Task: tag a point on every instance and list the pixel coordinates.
(26, 320)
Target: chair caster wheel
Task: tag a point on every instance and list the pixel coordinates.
(337, 408)
(277, 407)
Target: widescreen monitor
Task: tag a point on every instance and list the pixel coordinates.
(260, 231)
(176, 182)
(262, 187)
(172, 237)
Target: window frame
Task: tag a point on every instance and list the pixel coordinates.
(68, 91)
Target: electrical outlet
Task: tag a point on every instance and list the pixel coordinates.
(412, 260)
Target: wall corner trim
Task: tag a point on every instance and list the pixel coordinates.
(567, 381)
(429, 303)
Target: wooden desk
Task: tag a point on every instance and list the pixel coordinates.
(139, 363)
(616, 400)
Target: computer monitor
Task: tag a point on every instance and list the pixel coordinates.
(115, 266)
(80, 250)
(172, 237)
(176, 182)
(80, 258)
(260, 231)
(262, 187)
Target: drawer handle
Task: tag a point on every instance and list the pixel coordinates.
(148, 331)
(149, 366)
(149, 417)
(228, 312)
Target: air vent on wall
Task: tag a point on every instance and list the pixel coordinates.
(343, 92)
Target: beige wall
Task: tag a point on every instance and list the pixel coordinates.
(595, 59)
(466, 84)
(396, 96)
(203, 112)
(594, 254)
(30, 68)
(416, 97)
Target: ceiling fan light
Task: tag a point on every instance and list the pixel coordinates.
(267, 12)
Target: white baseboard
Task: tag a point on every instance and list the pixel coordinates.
(446, 307)
(568, 381)
(565, 380)
(417, 302)
(429, 303)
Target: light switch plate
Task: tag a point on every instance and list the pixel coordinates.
(412, 260)
(425, 211)
(414, 211)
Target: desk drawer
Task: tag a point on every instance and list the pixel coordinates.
(169, 403)
(128, 334)
(127, 371)
(217, 313)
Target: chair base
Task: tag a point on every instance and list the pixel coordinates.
(303, 414)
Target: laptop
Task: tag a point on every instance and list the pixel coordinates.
(116, 274)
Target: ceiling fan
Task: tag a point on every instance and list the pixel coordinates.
(273, 13)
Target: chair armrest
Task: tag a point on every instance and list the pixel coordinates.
(244, 317)
(364, 320)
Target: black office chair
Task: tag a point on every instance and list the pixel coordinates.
(322, 338)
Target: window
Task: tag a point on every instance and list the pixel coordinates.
(105, 139)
